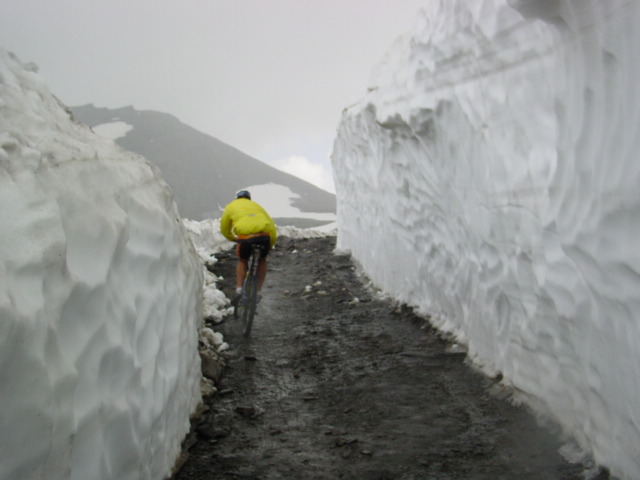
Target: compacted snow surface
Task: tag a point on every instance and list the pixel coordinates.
(100, 300)
(490, 177)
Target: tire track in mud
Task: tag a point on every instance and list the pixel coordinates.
(335, 383)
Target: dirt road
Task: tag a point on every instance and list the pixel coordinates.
(338, 384)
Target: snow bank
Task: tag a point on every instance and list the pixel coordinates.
(493, 170)
(99, 299)
(327, 230)
(208, 241)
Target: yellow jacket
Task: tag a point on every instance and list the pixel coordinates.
(246, 217)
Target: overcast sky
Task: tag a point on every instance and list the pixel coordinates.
(269, 77)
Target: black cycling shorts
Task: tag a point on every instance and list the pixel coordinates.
(244, 246)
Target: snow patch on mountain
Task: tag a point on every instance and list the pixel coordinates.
(278, 201)
(113, 130)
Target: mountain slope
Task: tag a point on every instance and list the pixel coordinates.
(203, 172)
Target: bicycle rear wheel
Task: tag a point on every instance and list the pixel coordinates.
(236, 310)
(250, 292)
(249, 309)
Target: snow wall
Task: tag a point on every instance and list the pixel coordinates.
(100, 300)
(490, 177)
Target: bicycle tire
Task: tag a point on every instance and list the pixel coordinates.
(250, 307)
(250, 292)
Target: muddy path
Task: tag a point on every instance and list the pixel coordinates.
(335, 383)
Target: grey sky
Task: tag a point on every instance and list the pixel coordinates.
(269, 77)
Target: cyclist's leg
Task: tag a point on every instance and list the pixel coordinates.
(243, 250)
(261, 274)
(241, 271)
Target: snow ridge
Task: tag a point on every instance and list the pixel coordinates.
(100, 299)
(492, 169)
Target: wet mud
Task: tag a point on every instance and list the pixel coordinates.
(336, 383)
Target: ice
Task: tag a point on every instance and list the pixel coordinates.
(100, 299)
(492, 168)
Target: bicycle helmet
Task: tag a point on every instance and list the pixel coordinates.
(243, 194)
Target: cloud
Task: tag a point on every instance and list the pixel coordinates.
(317, 174)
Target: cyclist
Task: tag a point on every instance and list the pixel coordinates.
(245, 222)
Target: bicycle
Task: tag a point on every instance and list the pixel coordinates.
(246, 307)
